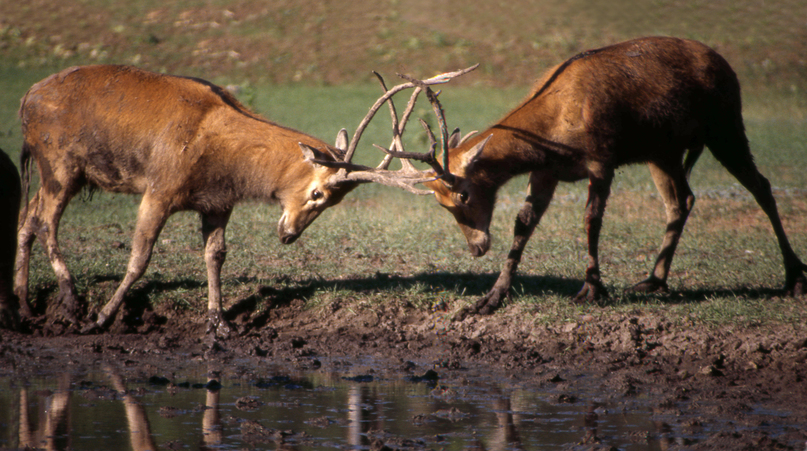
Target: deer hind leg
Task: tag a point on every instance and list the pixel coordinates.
(599, 189)
(741, 166)
(213, 228)
(44, 213)
(671, 183)
(541, 189)
(151, 217)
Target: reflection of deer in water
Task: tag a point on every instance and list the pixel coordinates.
(53, 424)
(358, 419)
(138, 423)
(140, 428)
(211, 420)
(506, 436)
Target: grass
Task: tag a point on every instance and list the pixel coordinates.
(339, 42)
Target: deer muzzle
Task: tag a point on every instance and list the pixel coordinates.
(478, 240)
(286, 230)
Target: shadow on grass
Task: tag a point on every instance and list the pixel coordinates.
(137, 304)
(696, 296)
(283, 290)
(477, 285)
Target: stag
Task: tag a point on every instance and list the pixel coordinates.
(9, 209)
(184, 144)
(654, 100)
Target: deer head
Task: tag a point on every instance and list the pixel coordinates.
(305, 201)
(469, 199)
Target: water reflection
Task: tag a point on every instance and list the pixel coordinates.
(139, 429)
(117, 407)
(212, 434)
(50, 431)
(506, 436)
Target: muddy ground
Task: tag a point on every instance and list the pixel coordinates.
(728, 385)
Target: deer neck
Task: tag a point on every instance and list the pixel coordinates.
(511, 151)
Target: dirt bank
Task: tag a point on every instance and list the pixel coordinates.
(745, 387)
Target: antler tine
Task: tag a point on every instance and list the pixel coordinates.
(398, 127)
(427, 157)
(438, 79)
(388, 158)
(391, 178)
(402, 127)
(441, 121)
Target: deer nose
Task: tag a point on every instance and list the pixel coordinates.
(478, 250)
(286, 236)
(289, 238)
(479, 243)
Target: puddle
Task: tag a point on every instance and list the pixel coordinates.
(199, 407)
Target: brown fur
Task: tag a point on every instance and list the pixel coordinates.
(653, 100)
(183, 143)
(9, 210)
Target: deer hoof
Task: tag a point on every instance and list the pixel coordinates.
(650, 285)
(485, 306)
(798, 289)
(218, 327)
(91, 329)
(795, 281)
(591, 293)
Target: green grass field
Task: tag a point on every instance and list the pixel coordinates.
(306, 65)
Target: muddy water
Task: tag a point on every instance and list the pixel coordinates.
(199, 406)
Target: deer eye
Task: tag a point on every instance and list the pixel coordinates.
(464, 197)
(316, 195)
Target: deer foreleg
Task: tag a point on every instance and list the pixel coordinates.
(541, 188)
(151, 217)
(678, 201)
(598, 190)
(213, 227)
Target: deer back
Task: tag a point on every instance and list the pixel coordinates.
(183, 141)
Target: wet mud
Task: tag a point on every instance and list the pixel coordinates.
(728, 387)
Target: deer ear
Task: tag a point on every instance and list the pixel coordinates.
(311, 155)
(472, 155)
(454, 139)
(341, 140)
(337, 153)
(467, 135)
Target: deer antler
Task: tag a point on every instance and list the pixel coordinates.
(408, 175)
(441, 171)
(413, 83)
